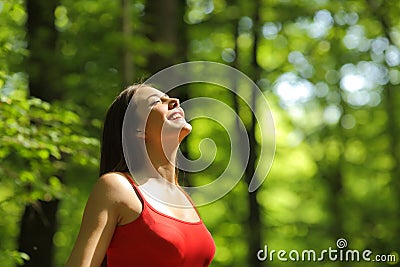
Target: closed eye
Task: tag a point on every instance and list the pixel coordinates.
(159, 100)
(155, 102)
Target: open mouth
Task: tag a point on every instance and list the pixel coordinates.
(176, 115)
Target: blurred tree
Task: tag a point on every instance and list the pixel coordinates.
(38, 223)
(127, 31)
(42, 64)
(253, 222)
(163, 20)
(34, 152)
(391, 96)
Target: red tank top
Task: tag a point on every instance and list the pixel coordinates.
(155, 239)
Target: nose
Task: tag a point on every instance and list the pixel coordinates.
(173, 103)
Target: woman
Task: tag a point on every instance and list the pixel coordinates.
(148, 220)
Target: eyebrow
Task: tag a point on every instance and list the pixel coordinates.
(157, 95)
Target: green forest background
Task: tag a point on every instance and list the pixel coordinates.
(329, 69)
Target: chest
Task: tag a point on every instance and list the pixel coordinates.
(156, 239)
(183, 211)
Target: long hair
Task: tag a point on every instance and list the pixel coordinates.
(112, 156)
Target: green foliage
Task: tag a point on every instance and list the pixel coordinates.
(15, 256)
(330, 70)
(40, 141)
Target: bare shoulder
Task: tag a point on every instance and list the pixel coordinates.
(113, 181)
(112, 202)
(115, 189)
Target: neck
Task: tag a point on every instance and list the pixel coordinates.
(162, 159)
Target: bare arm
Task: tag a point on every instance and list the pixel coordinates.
(110, 203)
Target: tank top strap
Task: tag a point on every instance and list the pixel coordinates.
(143, 199)
(134, 186)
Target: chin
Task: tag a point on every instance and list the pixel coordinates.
(185, 130)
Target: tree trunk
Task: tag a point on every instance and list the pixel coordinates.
(162, 20)
(333, 178)
(126, 27)
(391, 97)
(37, 230)
(38, 223)
(253, 222)
(42, 61)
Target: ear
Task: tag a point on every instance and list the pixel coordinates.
(140, 134)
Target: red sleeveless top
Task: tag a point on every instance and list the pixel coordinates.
(155, 239)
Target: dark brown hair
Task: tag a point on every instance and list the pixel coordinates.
(112, 155)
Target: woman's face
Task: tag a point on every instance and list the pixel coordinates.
(162, 117)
